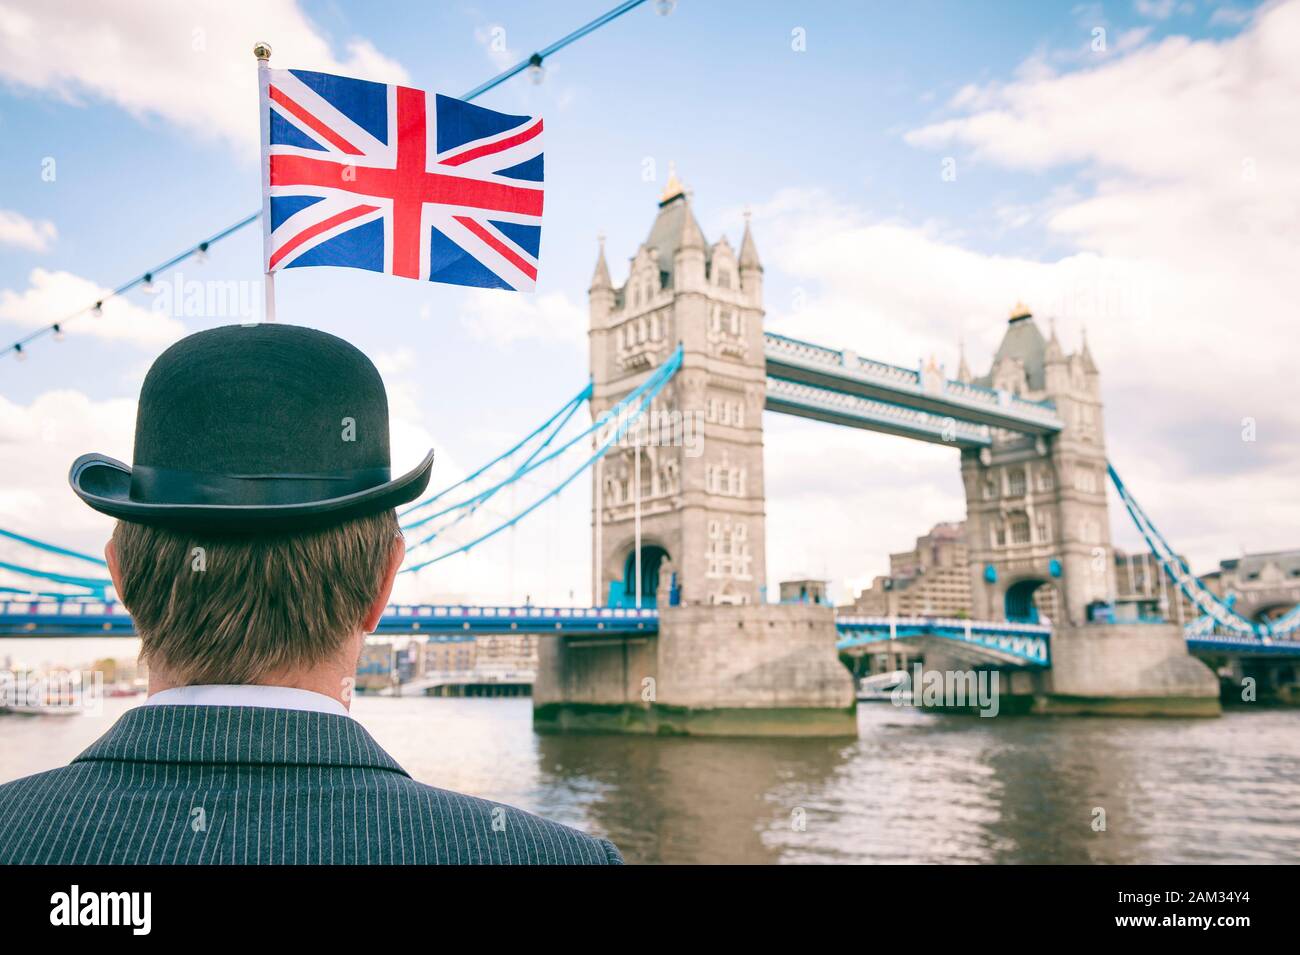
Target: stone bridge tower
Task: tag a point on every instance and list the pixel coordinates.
(719, 660)
(1036, 515)
(701, 459)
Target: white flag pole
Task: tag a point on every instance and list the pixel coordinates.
(263, 53)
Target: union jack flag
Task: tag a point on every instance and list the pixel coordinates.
(374, 176)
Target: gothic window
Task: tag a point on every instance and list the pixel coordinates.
(716, 318)
(739, 416)
(1016, 482)
(1044, 521)
(670, 477)
(999, 533)
(654, 326)
(1019, 529)
(724, 278)
(1045, 479)
(735, 322)
(1085, 479)
(990, 489)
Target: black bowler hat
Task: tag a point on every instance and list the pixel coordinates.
(250, 428)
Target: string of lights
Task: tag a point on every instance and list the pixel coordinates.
(145, 280)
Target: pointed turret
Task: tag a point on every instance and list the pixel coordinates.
(963, 369)
(690, 236)
(748, 250)
(1053, 354)
(690, 254)
(1085, 355)
(600, 278)
(751, 269)
(600, 296)
(1056, 366)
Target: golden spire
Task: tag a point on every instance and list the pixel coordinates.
(1021, 310)
(674, 187)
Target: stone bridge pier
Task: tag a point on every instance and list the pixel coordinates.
(756, 670)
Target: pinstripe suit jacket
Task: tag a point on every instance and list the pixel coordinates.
(240, 784)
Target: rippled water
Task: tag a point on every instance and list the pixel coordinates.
(915, 787)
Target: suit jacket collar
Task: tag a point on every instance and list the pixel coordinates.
(239, 735)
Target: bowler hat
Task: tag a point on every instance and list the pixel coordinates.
(254, 428)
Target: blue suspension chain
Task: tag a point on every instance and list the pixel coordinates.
(663, 375)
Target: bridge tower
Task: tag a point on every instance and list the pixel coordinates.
(717, 660)
(701, 456)
(1037, 521)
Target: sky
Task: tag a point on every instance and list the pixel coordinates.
(912, 171)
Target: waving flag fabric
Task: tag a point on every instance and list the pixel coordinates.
(373, 176)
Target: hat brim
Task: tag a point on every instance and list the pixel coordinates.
(105, 484)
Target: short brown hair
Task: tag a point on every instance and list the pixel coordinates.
(213, 609)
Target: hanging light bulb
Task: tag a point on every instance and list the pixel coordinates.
(536, 72)
(58, 332)
(148, 287)
(98, 310)
(201, 253)
(18, 351)
(665, 7)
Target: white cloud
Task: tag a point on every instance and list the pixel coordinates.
(39, 442)
(1231, 16)
(18, 230)
(189, 64)
(840, 500)
(1156, 9)
(506, 319)
(1184, 276)
(52, 296)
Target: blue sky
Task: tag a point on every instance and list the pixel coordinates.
(836, 148)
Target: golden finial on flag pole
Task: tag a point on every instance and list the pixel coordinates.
(263, 53)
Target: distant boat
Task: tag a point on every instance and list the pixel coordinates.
(881, 686)
(58, 699)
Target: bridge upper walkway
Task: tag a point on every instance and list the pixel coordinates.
(846, 372)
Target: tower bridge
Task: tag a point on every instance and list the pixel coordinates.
(684, 639)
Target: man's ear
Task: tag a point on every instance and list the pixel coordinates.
(114, 569)
(386, 588)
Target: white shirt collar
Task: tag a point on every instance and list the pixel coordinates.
(274, 697)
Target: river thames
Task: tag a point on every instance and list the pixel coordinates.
(915, 787)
